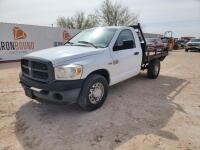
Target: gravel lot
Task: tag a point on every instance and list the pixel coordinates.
(138, 114)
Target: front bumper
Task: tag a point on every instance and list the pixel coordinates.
(54, 91)
(193, 47)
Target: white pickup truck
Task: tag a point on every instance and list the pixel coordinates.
(82, 70)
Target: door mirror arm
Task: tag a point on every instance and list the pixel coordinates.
(115, 48)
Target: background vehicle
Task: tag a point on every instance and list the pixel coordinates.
(82, 70)
(193, 44)
(165, 42)
(187, 39)
(168, 40)
(154, 44)
(180, 43)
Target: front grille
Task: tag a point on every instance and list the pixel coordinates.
(40, 75)
(39, 65)
(37, 69)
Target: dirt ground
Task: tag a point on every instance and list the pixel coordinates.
(139, 113)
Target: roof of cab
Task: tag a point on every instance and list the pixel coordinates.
(112, 27)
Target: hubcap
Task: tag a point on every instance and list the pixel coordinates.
(96, 92)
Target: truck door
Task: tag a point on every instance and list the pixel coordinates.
(126, 57)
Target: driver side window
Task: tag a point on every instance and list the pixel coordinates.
(124, 41)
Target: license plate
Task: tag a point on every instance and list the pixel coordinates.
(28, 92)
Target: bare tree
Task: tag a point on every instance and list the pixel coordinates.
(109, 13)
(113, 13)
(62, 22)
(78, 21)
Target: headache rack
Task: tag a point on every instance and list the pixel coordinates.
(147, 56)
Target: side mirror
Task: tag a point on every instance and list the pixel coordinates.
(115, 48)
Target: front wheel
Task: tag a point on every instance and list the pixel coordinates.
(153, 69)
(94, 92)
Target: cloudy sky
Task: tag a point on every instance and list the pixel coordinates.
(180, 16)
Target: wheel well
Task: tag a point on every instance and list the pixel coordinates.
(102, 72)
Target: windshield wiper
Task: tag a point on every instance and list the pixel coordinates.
(68, 42)
(85, 42)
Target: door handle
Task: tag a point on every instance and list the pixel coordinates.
(116, 61)
(136, 53)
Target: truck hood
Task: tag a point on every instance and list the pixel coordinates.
(61, 54)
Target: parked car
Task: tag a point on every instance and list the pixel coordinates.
(82, 70)
(193, 44)
(165, 42)
(154, 44)
(181, 44)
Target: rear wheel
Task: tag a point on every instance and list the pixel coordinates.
(153, 69)
(94, 92)
(186, 50)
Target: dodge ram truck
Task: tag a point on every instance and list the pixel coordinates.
(82, 70)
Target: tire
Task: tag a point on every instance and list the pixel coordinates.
(162, 58)
(186, 50)
(153, 69)
(86, 98)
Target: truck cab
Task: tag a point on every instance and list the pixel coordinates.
(82, 70)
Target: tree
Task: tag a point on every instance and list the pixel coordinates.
(109, 13)
(78, 21)
(113, 13)
(62, 22)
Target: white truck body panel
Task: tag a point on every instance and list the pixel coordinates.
(59, 55)
(129, 64)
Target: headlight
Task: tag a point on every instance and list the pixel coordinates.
(68, 72)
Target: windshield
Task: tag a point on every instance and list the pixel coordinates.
(153, 40)
(180, 41)
(97, 37)
(195, 40)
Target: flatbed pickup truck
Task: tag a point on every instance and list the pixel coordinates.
(82, 70)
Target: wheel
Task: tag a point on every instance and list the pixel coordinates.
(153, 69)
(94, 92)
(186, 50)
(162, 58)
